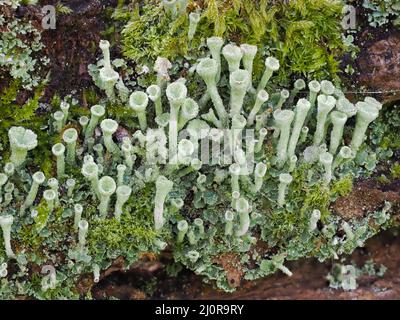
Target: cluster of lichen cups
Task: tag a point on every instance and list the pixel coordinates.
(111, 178)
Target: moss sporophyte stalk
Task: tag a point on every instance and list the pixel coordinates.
(204, 171)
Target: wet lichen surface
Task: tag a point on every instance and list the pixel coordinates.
(190, 230)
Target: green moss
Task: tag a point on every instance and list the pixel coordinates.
(29, 238)
(26, 115)
(396, 170)
(11, 113)
(304, 198)
(317, 197)
(132, 235)
(42, 217)
(305, 35)
(312, 37)
(150, 34)
(343, 186)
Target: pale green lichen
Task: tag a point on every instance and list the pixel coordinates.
(278, 195)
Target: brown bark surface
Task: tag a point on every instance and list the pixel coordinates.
(308, 280)
(309, 276)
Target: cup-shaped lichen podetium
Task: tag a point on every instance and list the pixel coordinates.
(6, 222)
(207, 70)
(345, 106)
(262, 97)
(58, 151)
(365, 115)
(259, 173)
(154, 93)
(129, 157)
(97, 111)
(78, 209)
(299, 85)
(185, 149)
(243, 208)
(234, 170)
(163, 187)
(345, 154)
(292, 163)
(70, 184)
(283, 120)
(108, 75)
(90, 170)
(194, 19)
(21, 141)
(176, 205)
(233, 55)
(326, 160)
(189, 111)
(38, 178)
(50, 196)
(199, 223)
(315, 87)
(229, 217)
(261, 137)
(84, 121)
(327, 88)
(64, 106)
(338, 120)
(59, 120)
(107, 187)
(215, 45)
(271, 65)
(170, 7)
(325, 105)
(70, 136)
(182, 227)
(302, 108)
(123, 194)
(109, 127)
(304, 134)
(239, 81)
(283, 96)
(54, 185)
(249, 53)
(193, 256)
(374, 102)
(176, 93)
(121, 170)
(284, 180)
(138, 102)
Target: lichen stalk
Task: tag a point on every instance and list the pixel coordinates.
(325, 105)
(284, 180)
(6, 222)
(283, 121)
(302, 108)
(163, 187)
